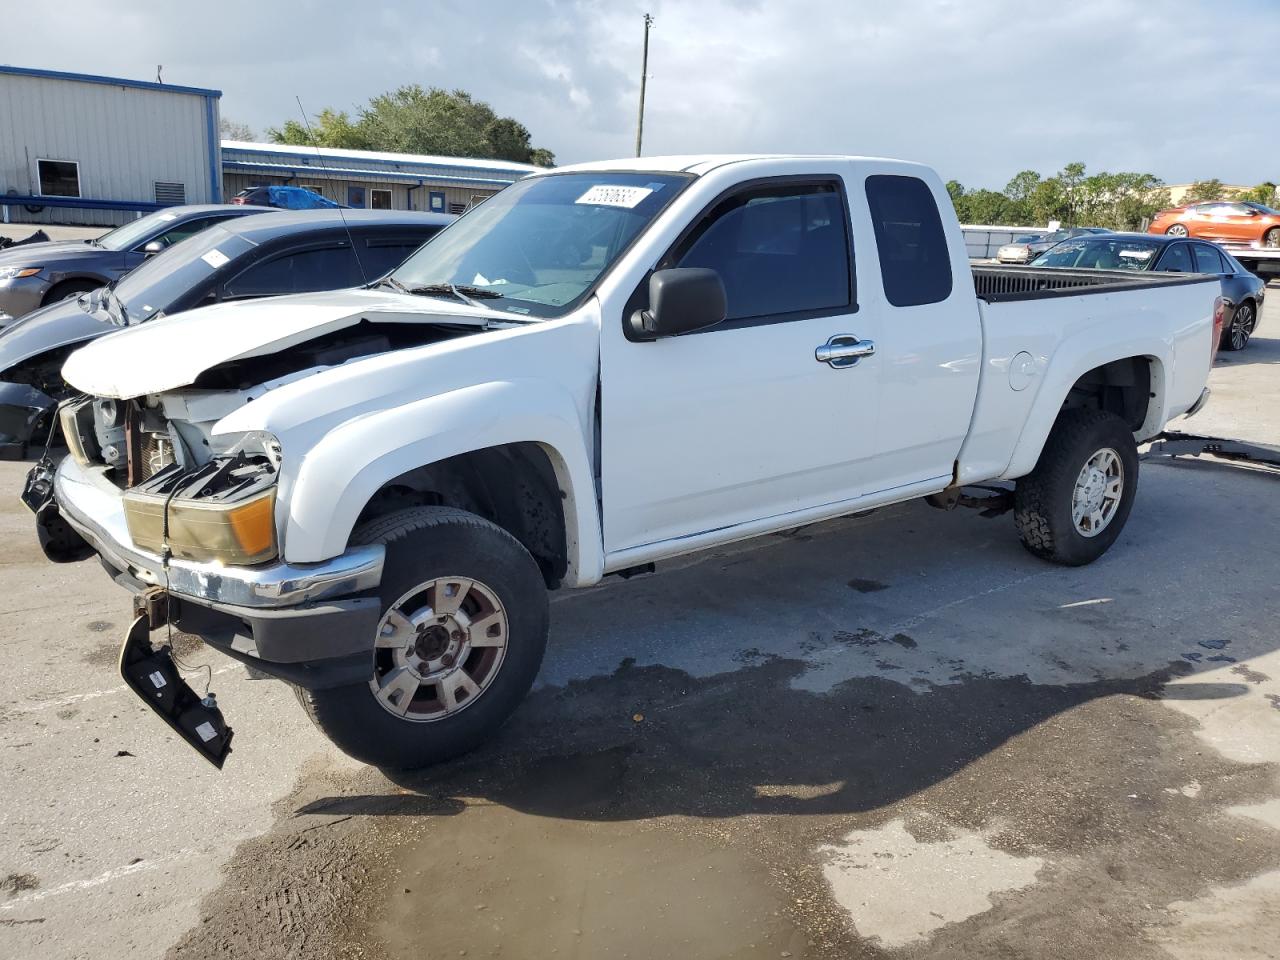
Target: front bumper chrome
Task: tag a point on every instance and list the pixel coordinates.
(94, 507)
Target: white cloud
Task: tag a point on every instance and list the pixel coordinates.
(978, 89)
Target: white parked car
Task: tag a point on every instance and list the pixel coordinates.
(369, 493)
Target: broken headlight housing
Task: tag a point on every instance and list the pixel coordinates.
(223, 511)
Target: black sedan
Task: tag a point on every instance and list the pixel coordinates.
(276, 253)
(1241, 290)
(33, 275)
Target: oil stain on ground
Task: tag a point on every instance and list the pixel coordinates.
(699, 831)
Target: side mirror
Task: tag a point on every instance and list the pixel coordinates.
(681, 300)
(154, 247)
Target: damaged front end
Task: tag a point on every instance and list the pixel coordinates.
(182, 496)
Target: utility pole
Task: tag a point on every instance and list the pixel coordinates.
(644, 71)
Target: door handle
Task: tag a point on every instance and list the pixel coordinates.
(844, 350)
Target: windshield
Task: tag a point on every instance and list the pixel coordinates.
(539, 246)
(135, 231)
(160, 281)
(1263, 208)
(1100, 253)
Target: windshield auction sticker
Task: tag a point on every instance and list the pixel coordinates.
(606, 195)
(216, 258)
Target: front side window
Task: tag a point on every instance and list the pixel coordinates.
(779, 250)
(915, 263)
(298, 271)
(59, 178)
(538, 247)
(186, 229)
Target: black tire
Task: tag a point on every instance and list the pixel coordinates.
(67, 289)
(1042, 502)
(1236, 334)
(425, 543)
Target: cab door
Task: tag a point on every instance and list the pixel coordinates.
(745, 420)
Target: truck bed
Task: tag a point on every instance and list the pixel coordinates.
(997, 284)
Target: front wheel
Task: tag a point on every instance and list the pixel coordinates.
(1271, 238)
(1073, 505)
(463, 630)
(1177, 230)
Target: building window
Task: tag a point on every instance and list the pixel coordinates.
(170, 194)
(436, 202)
(355, 196)
(379, 199)
(59, 178)
(457, 208)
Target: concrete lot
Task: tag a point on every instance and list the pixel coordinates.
(898, 735)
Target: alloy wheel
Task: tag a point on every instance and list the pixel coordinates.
(438, 648)
(1241, 326)
(1097, 492)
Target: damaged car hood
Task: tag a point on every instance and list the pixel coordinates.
(173, 351)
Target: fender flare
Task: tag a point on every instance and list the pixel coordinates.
(338, 477)
(1055, 388)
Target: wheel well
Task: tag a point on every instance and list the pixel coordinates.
(513, 486)
(1122, 387)
(59, 290)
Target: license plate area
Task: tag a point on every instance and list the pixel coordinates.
(153, 676)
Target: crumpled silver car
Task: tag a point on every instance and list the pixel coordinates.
(33, 275)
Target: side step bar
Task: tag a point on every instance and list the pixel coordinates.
(1174, 444)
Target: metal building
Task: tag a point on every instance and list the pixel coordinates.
(364, 178)
(78, 148)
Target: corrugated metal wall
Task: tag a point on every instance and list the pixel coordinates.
(124, 139)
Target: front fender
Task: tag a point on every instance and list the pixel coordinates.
(341, 473)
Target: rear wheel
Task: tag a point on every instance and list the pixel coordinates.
(1271, 238)
(1073, 505)
(1240, 329)
(1177, 230)
(463, 630)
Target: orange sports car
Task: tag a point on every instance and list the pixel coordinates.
(1232, 221)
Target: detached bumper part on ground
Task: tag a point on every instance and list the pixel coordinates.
(308, 624)
(22, 408)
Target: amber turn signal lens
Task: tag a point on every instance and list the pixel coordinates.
(236, 534)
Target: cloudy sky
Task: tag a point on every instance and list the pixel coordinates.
(1186, 89)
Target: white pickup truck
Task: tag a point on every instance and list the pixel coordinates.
(369, 493)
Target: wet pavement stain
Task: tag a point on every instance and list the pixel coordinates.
(652, 835)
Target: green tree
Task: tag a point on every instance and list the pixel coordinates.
(1264, 193)
(1021, 191)
(329, 128)
(414, 119)
(1203, 191)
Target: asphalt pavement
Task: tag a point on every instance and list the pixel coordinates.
(894, 735)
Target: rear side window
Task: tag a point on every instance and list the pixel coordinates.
(299, 271)
(779, 250)
(1207, 260)
(381, 255)
(914, 260)
(1177, 259)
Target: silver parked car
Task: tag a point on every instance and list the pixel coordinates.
(35, 274)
